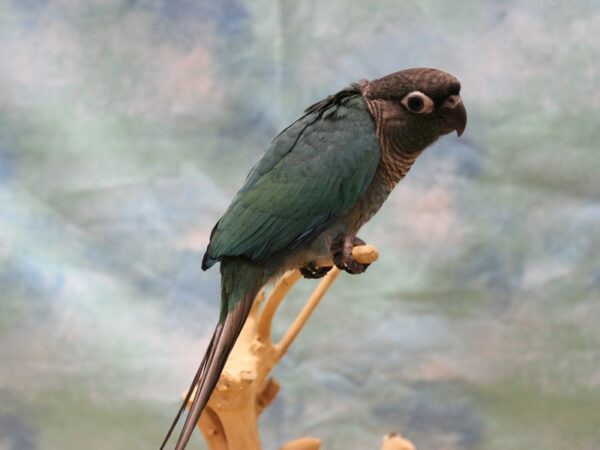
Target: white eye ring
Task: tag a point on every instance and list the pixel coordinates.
(417, 102)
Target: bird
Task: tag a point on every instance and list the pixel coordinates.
(321, 179)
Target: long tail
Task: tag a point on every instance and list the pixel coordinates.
(240, 282)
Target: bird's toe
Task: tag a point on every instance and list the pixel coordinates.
(311, 271)
(341, 250)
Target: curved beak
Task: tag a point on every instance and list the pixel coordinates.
(454, 114)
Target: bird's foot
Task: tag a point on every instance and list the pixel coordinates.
(341, 249)
(312, 271)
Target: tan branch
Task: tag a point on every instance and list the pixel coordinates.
(303, 444)
(245, 389)
(364, 254)
(213, 431)
(394, 441)
(266, 318)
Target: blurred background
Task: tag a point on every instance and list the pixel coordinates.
(127, 126)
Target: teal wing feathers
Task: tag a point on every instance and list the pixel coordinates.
(313, 172)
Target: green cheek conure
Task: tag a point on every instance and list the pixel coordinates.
(321, 179)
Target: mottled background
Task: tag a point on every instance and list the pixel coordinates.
(126, 127)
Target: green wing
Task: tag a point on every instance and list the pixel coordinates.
(314, 172)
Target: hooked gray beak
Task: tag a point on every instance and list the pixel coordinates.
(454, 114)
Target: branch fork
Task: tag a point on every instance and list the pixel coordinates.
(245, 388)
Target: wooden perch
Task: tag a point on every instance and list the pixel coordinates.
(244, 390)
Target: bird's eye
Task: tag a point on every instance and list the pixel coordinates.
(418, 102)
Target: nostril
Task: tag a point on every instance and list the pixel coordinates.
(452, 101)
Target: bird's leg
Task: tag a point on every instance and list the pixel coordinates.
(312, 271)
(341, 250)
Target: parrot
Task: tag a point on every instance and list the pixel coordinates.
(320, 180)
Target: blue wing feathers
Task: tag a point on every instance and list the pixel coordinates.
(313, 172)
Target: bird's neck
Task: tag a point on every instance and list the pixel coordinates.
(397, 157)
(398, 152)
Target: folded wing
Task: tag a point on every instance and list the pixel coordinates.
(314, 172)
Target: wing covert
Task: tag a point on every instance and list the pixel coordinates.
(313, 172)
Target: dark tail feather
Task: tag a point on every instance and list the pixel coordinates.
(240, 282)
(211, 367)
(231, 328)
(199, 374)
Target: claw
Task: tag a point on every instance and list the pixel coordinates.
(341, 249)
(312, 271)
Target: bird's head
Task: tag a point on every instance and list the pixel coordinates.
(424, 101)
